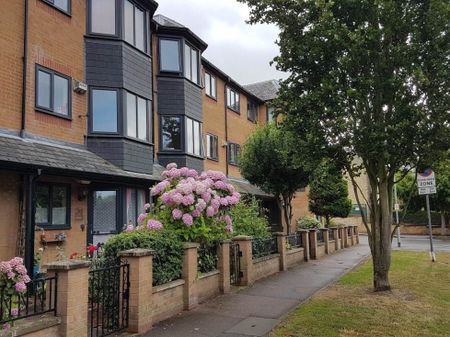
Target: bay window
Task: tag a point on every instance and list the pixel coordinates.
(193, 137)
(103, 17)
(171, 133)
(169, 55)
(134, 25)
(191, 63)
(137, 117)
(104, 110)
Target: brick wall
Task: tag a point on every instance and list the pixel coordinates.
(265, 266)
(9, 210)
(295, 256)
(167, 300)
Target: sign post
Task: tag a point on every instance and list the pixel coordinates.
(426, 183)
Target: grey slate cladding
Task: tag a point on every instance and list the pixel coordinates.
(124, 153)
(181, 160)
(118, 65)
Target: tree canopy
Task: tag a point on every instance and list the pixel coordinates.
(267, 160)
(369, 80)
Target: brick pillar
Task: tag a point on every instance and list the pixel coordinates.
(246, 260)
(190, 269)
(281, 242)
(224, 266)
(351, 237)
(345, 237)
(313, 243)
(141, 289)
(336, 238)
(356, 232)
(326, 239)
(72, 296)
(305, 240)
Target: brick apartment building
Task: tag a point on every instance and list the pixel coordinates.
(96, 96)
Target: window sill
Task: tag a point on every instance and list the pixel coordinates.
(69, 13)
(252, 121)
(233, 110)
(192, 82)
(48, 112)
(213, 159)
(233, 164)
(211, 97)
(52, 227)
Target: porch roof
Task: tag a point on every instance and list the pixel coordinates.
(30, 154)
(243, 186)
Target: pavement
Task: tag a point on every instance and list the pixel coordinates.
(417, 243)
(256, 310)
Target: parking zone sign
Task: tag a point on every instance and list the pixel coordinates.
(426, 182)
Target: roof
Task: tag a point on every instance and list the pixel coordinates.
(26, 153)
(243, 186)
(266, 90)
(167, 22)
(228, 79)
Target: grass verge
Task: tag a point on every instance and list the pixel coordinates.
(418, 305)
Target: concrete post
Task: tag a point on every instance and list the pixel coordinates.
(72, 296)
(305, 240)
(141, 289)
(351, 236)
(345, 237)
(224, 266)
(281, 242)
(246, 260)
(313, 243)
(336, 238)
(326, 239)
(190, 270)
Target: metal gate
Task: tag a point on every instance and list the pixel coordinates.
(109, 288)
(235, 263)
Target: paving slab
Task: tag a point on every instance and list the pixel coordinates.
(254, 326)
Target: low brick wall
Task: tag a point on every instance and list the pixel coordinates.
(208, 285)
(265, 266)
(167, 300)
(295, 256)
(320, 250)
(331, 246)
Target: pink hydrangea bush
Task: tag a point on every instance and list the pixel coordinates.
(195, 205)
(13, 280)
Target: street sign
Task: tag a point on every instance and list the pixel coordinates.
(426, 182)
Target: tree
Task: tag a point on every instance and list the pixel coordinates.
(328, 193)
(267, 161)
(369, 80)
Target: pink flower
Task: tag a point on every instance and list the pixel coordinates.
(20, 287)
(188, 200)
(171, 166)
(192, 173)
(184, 171)
(6, 326)
(21, 269)
(177, 198)
(201, 204)
(10, 275)
(200, 187)
(130, 228)
(26, 279)
(5, 267)
(229, 228)
(154, 224)
(196, 213)
(210, 211)
(231, 188)
(17, 261)
(159, 187)
(187, 219)
(141, 219)
(215, 203)
(228, 220)
(206, 196)
(177, 214)
(165, 198)
(220, 185)
(224, 201)
(147, 207)
(14, 312)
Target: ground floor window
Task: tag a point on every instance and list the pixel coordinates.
(135, 201)
(52, 205)
(104, 212)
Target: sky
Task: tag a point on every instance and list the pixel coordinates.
(241, 50)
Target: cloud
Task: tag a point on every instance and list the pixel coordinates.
(241, 50)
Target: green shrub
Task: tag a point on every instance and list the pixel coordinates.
(248, 219)
(168, 258)
(308, 222)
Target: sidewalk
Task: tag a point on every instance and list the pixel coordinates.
(255, 310)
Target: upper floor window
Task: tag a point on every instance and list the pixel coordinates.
(169, 55)
(134, 23)
(137, 117)
(233, 100)
(234, 150)
(212, 147)
(103, 17)
(270, 113)
(52, 205)
(210, 85)
(62, 5)
(191, 63)
(104, 110)
(251, 111)
(53, 92)
(193, 137)
(171, 133)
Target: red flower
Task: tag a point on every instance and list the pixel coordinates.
(73, 255)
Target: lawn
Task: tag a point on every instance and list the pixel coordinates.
(418, 305)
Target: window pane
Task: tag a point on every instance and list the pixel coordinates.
(171, 133)
(270, 114)
(59, 205)
(140, 201)
(62, 4)
(213, 86)
(189, 136)
(208, 146)
(131, 206)
(43, 89)
(61, 95)
(208, 84)
(104, 111)
(228, 97)
(140, 29)
(42, 204)
(187, 61)
(129, 22)
(197, 139)
(215, 145)
(169, 53)
(142, 119)
(103, 16)
(131, 115)
(194, 77)
(104, 212)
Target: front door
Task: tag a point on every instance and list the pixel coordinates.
(104, 215)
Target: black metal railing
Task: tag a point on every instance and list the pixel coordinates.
(207, 257)
(294, 240)
(320, 237)
(264, 247)
(39, 298)
(109, 287)
(235, 263)
(331, 235)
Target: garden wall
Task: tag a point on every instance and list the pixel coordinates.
(167, 300)
(208, 285)
(266, 266)
(295, 256)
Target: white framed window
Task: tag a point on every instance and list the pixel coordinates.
(193, 137)
(102, 17)
(53, 92)
(210, 85)
(234, 150)
(169, 55)
(252, 113)
(233, 100)
(212, 147)
(191, 63)
(134, 25)
(137, 117)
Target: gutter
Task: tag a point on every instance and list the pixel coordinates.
(24, 70)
